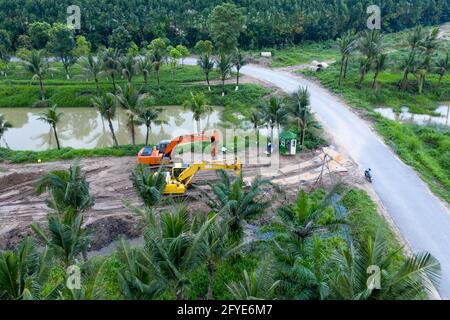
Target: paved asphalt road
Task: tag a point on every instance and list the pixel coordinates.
(420, 216)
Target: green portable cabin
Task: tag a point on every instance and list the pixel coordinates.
(288, 143)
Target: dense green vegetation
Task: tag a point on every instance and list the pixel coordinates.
(297, 251)
(268, 22)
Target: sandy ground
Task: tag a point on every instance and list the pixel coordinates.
(110, 184)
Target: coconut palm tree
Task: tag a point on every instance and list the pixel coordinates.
(144, 66)
(442, 67)
(224, 65)
(52, 117)
(380, 63)
(132, 101)
(173, 247)
(66, 188)
(106, 105)
(110, 62)
(128, 67)
(305, 217)
(418, 273)
(370, 45)
(92, 65)
(4, 126)
(149, 186)
(347, 45)
(414, 40)
(148, 116)
(158, 53)
(257, 285)
(24, 272)
(206, 63)
(67, 238)
(239, 60)
(37, 65)
(198, 104)
(257, 120)
(275, 113)
(236, 202)
(137, 280)
(299, 111)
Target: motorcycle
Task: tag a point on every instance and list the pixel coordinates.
(368, 175)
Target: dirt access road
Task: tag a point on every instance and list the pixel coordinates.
(110, 184)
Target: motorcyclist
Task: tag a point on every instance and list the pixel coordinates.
(368, 174)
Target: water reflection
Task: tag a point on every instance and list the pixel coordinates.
(85, 128)
(442, 118)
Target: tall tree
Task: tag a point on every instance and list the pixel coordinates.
(147, 116)
(274, 112)
(37, 65)
(347, 45)
(92, 65)
(110, 59)
(131, 100)
(239, 60)
(198, 104)
(442, 67)
(61, 44)
(184, 52)
(414, 40)
(52, 117)
(106, 105)
(370, 45)
(145, 66)
(39, 33)
(380, 63)
(298, 109)
(128, 67)
(158, 52)
(224, 65)
(226, 23)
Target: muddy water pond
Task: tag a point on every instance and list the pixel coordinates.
(442, 116)
(85, 128)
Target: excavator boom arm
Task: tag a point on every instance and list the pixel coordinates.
(186, 176)
(195, 137)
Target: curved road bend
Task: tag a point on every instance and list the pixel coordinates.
(420, 216)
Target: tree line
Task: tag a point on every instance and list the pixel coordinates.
(307, 257)
(267, 22)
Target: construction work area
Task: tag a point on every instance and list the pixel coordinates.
(110, 184)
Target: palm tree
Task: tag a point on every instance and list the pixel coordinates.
(298, 109)
(274, 112)
(148, 116)
(370, 45)
(4, 126)
(37, 65)
(24, 272)
(106, 105)
(198, 104)
(137, 280)
(144, 65)
(173, 248)
(52, 117)
(239, 60)
(380, 63)
(257, 285)
(130, 100)
(67, 238)
(207, 65)
(224, 65)
(158, 55)
(128, 66)
(92, 65)
(442, 67)
(149, 186)
(416, 274)
(237, 202)
(347, 44)
(110, 58)
(420, 72)
(257, 120)
(414, 40)
(68, 189)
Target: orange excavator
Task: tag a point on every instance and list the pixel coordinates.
(163, 153)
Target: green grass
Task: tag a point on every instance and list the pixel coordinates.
(16, 156)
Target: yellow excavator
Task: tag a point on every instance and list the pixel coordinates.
(182, 174)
